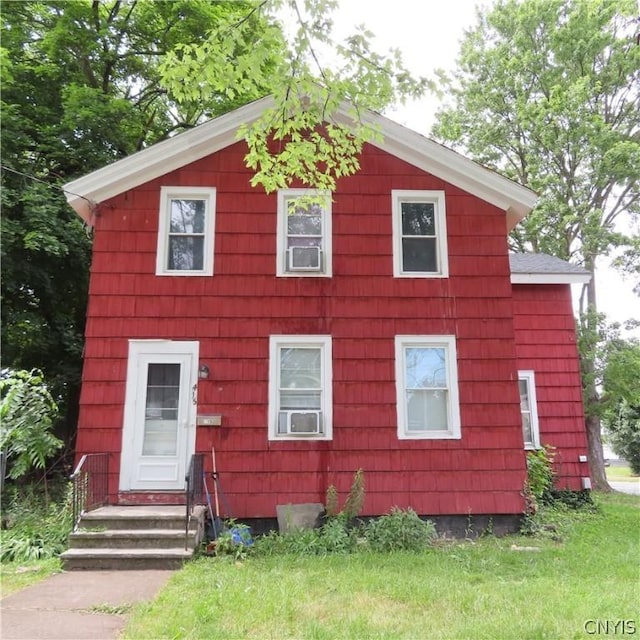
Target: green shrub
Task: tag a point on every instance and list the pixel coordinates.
(235, 540)
(337, 536)
(540, 473)
(400, 530)
(571, 499)
(35, 530)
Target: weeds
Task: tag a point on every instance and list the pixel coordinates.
(35, 530)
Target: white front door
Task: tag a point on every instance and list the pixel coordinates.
(158, 436)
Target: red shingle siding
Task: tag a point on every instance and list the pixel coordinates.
(362, 307)
(546, 343)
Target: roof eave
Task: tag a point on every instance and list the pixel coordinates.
(160, 158)
(517, 201)
(214, 135)
(550, 278)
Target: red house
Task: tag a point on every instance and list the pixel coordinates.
(385, 327)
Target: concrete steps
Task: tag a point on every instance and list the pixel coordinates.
(145, 537)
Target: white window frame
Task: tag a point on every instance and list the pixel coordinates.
(437, 198)
(326, 270)
(448, 343)
(530, 378)
(278, 342)
(167, 194)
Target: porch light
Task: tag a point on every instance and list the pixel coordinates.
(203, 372)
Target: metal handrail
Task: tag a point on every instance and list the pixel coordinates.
(193, 492)
(90, 482)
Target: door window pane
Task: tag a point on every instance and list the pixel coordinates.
(161, 410)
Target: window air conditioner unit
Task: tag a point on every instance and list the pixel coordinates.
(304, 423)
(305, 259)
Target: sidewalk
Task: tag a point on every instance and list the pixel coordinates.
(77, 605)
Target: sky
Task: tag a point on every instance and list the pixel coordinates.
(428, 33)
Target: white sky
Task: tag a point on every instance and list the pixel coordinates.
(428, 32)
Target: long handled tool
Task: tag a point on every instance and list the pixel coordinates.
(206, 491)
(215, 481)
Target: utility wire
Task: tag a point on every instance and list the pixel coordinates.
(48, 184)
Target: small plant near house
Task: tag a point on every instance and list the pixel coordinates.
(234, 541)
(353, 503)
(355, 499)
(540, 475)
(331, 507)
(400, 530)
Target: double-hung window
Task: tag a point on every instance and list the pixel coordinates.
(300, 394)
(185, 231)
(419, 234)
(304, 233)
(427, 387)
(528, 409)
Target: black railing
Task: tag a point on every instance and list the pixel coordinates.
(194, 481)
(90, 484)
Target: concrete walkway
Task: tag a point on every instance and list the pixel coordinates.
(626, 486)
(77, 605)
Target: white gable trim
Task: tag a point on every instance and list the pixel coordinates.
(449, 165)
(550, 278)
(160, 158)
(221, 132)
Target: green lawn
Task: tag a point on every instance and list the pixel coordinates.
(17, 575)
(621, 473)
(585, 570)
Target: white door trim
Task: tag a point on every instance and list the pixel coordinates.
(141, 351)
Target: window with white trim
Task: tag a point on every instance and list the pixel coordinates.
(529, 409)
(186, 231)
(300, 388)
(427, 387)
(419, 234)
(304, 233)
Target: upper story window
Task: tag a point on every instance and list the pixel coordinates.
(300, 388)
(529, 409)
(419, 234)
(427, 387)
(186, 231)
(304, 233)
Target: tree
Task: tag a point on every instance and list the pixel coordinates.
(299, 138)
(86, 82)
(621, 399)
(27, 411)
(624, 432)
(81, 88)
(548, 92)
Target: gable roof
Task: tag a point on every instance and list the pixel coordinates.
(221, 132)
(540, 268)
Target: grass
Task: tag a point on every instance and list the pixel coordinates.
(621, 474)
(584, 569)
(18, 575)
